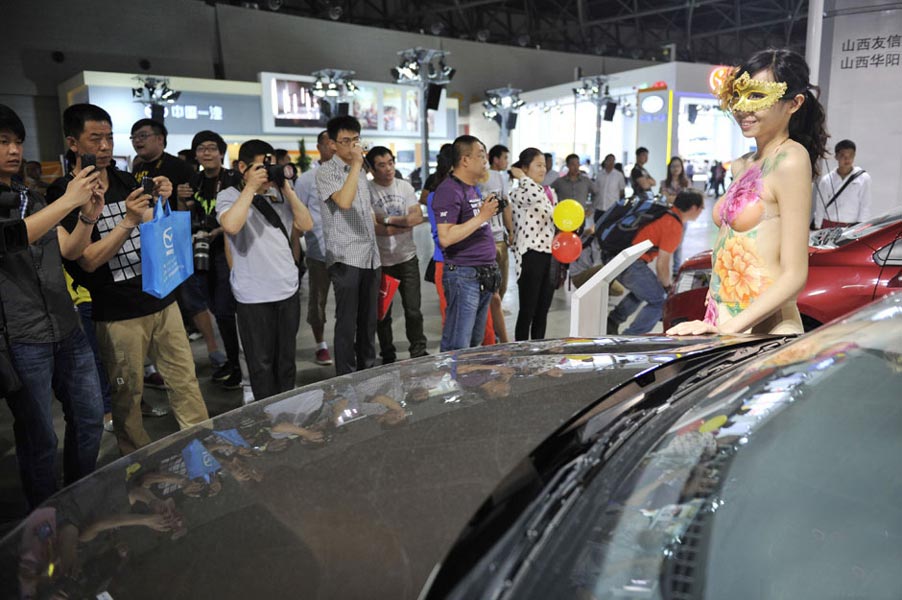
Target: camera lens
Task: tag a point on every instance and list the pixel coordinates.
(201, 254)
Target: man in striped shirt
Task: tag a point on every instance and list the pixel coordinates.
(352, 257)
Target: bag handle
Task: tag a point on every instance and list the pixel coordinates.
(161, 209)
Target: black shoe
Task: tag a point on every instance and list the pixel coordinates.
(387, 360)
(613, 327)
(233, 381)
(222, 373)
(423, 353)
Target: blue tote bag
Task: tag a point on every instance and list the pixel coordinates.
(166, 255)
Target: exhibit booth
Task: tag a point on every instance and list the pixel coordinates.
(280, 108)
(667, 108)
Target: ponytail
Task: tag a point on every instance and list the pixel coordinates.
(808, 127)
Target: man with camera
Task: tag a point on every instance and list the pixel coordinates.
(352, 257)
(130, 324)
(397, 211)
(209, 284)
(262, 218)
(471, 275)
(43, 350)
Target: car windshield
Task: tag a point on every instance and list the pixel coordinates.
(778, 480)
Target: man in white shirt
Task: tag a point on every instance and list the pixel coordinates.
(609, 187)
(499, 182)
(550, 174)
(397, 210)
(842, 196)
(305, 188)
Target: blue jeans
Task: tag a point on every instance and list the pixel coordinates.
(468, 306)
(86, 311)
(643, 286)
(67, 370)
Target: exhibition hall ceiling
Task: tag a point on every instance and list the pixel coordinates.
(688, 30)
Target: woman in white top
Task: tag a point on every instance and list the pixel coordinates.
(533, 205)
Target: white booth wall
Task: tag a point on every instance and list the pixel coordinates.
(553, 121)
(861, 73)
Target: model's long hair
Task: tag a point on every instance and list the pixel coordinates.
(807, 125)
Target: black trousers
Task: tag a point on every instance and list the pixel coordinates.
(408, 274)
(536, 292)
(356, 303)
(269, 333)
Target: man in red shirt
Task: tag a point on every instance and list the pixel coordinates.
(666, 234)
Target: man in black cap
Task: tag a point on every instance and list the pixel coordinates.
(210, 283)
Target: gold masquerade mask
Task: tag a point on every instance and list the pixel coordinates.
(744, 94)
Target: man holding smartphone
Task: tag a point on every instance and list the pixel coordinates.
(130, 324)
(352, 257)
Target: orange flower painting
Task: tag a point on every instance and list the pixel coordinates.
(739, 269)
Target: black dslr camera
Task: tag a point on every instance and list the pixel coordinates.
(502, 201)
(278, 174)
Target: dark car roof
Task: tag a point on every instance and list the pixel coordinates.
(250, 508)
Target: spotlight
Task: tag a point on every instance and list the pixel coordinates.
(482, 35)
(335, 12)
(523, 40)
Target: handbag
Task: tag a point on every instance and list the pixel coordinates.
(387, 288)
(166, 254)
(430, 271)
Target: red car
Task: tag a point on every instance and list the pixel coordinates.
(847, 268)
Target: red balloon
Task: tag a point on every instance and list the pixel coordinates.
(566, 247)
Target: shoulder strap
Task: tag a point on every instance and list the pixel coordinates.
(845, 184)
(269, 213)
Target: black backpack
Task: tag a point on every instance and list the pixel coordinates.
(620, 223)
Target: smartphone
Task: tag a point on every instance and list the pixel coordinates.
(88, 160)
(148, 185)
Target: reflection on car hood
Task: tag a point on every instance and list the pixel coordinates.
(353, 487)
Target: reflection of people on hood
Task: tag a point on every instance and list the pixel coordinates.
(291, 418)
(380, 397)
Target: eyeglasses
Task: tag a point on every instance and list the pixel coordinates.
(348, 141)
(207, 148)
(140, 137)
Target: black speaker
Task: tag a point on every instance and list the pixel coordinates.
(512, 121)
(433, 96)
(343, 109)
(693, 112)
(325, 109)
(157, 112)
(609, 109)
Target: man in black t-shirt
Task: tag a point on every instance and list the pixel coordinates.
(210, 281)
(640, 180)
(149, 141)
(130, 324)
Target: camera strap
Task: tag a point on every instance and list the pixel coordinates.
(264, 207)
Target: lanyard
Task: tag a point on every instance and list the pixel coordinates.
(208, 204)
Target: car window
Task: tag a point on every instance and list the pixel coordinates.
(779, 480)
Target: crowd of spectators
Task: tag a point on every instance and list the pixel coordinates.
(347, 222)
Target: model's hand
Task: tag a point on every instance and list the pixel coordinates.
(693, 328)
(517, 173)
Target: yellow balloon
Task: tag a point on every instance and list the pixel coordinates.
(713, 424)
(568, 215)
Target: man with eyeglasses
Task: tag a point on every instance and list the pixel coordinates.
(352, 257)
(209, 285)
(149, 141)
(130, 324)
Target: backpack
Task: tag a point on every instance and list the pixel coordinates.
(620, 223)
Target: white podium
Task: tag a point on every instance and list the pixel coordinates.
(589, 304)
